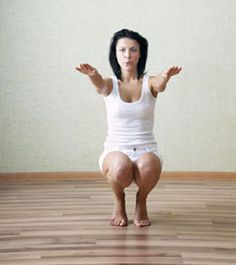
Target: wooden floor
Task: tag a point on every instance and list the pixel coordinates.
(66, 222)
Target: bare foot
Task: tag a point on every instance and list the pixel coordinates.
(140, 215)
(119, 217)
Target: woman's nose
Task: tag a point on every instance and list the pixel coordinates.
(127, 53)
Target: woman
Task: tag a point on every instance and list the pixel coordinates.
(130, 150)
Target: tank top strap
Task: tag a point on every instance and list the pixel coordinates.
(114, 85)
(145, 83)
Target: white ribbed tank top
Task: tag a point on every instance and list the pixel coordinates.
(130, 123)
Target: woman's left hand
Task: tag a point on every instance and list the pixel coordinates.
(159, 82)
(174, 70)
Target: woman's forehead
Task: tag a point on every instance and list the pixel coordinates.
(127, 42)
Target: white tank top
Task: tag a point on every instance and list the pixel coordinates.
(130, 123)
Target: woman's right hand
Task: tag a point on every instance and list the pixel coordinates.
(103, 86)
(87, 69)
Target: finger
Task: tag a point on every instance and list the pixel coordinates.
(178, 69)
(88, 67)
(83, 67)
(80, 70)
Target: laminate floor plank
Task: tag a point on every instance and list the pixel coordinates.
(65, 222)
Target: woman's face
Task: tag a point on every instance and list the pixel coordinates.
(127, 53)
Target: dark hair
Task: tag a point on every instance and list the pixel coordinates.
(143, 44)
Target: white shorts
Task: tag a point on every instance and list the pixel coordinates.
(133, 152)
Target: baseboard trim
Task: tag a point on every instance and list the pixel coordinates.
(199, 175)
(169, 175)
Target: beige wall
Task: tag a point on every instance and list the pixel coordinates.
(51, 117)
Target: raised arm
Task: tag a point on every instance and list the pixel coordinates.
(102, 85)
(158, 82)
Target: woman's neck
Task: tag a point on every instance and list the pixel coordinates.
(129, 76)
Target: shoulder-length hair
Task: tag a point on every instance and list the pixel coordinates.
(143, 45)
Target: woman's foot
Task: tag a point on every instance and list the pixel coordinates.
(140, 215)
(119, 217)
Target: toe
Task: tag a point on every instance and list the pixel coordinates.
(142, 223)
(112, 221)
(145, 222)
(123, 222)
(137, 223)
(117, 222)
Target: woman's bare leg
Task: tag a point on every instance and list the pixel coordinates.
(118, 169)
(147, 174)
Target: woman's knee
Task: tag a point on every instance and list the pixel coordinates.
(121, 173)
(149, 166)
(120, 170)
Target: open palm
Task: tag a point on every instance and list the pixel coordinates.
(174, 70)
(86, 69)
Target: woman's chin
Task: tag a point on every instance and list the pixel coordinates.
(129, 67)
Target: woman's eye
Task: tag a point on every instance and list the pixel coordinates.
(133, 50)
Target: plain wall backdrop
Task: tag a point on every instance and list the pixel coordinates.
(51, 118)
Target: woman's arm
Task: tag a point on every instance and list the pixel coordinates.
(158, 82)
(103, 86)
